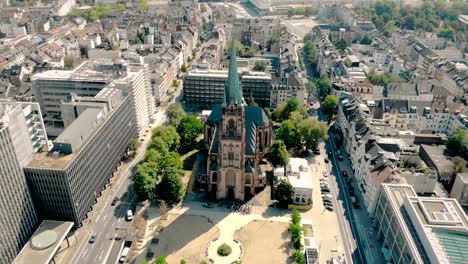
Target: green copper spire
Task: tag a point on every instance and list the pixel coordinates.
(233, 92)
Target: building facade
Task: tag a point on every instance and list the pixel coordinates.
(236, 136)
(66, 181)
(18, 220)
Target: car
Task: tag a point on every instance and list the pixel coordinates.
(325, 174)
(324, 185)
(345, 173)
(326, 160)
(92, 239)
(323, 180)
(327, 199)
(129, 215)
(327, 195)
(326, 202)
(316, 151)
(325, 190)
(340, 157)
(329, 207)
(114, 201)
(207, 205)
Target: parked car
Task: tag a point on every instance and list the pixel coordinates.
(329, 207)
(207, 205)
(340, 157)
(327, 195)
(92, 239)
(114, 201)
(324, 185)
(326, 160)
(325, 203)
(345, 173)
(325, 190)
(325, 174)
(326, 199)
(129, 215)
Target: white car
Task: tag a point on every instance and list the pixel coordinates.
(129, 215)
(327, 195)
(325, 174)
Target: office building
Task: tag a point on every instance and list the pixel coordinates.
(66, 181)
(205, 88)
(18, 219)
(87, 80)
(300, 177)
(420, 229)
(460, 189)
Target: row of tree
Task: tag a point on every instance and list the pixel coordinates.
(434, 16)
(383, 78)
(301, 11)
(296, 230)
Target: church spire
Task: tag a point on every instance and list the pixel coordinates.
(232, 91)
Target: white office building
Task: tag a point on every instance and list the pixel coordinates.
(298, 174)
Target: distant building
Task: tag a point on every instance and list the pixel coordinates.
(420, 229)
(18, 220)
(66, 181)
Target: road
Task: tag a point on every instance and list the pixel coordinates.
(104, 222)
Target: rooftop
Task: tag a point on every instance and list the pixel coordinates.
(44, 243)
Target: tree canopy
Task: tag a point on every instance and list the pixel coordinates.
(278, 154)
(289, 134)
(330, 105)
(283, 193)
(312, 132)
(323, 85)
(260, 66)
(168, 135)
(175, 112)
(189, 128)
(169, 188)
(457, 143)
(383, 78)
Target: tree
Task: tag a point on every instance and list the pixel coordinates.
(184, 68)
(323, 86)
(295, 217)
(457, 143)
(69, 62)
(189, 128)
(203, 8)
(288, 133)
(311, 88)
(169, 188)
(260, 66)
(161, 260)
(459, 164)
(145, 180)
(291, 106)
(134, 144)
(296, 117)
(341, 45)
(175, 83)
(168, 135)
(239, 47)
(283, 193)
(278, 154)
(330, 105)
(299, 257)
(175, 112)
(312, 132)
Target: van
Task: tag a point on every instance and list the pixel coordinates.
(124, 254)
(129, 215)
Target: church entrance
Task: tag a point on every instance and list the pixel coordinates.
(230, 193)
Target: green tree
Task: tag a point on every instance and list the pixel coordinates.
(295, 217)
(175, 112)
(311, 88)
(161, 260)
(299, 257)
(260, 66)
(459, 164)
(175, 83)
(278, 154)
(341, 46)
(283, 193)
(184, 68)
(296, 117)
(169, 135)
(278, 113)
(288, 133)
(330, 105)
(323, 86)
(158, 145)
(189, 128)
(239, 47)
(312, 132)
(291, 106)
(134, 144)
(145, 180)
(296, 235)
(169, 188)
(69, 62)
(203, 8)
(457, 143)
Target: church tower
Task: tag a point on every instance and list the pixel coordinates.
(232, 135)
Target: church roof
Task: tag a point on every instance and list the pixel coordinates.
(233, 91)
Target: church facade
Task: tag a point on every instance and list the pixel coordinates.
(237, 136)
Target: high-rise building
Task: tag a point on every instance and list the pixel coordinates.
(87, 80)
(66, 181)
(18, 219)
(420, 229)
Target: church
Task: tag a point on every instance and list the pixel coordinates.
(237, 137)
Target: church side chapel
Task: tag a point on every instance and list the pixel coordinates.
(237, 136)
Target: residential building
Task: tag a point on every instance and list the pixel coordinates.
(293, 87)
(66, 180)
(460, 189)
(420, 229)
(298, 174)
(436, 159)
(18, 218)
(237, 137)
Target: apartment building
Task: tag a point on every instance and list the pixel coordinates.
(420, 229)
(18, 220)
(66, 180)
(460, 189)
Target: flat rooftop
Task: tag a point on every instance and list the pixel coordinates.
(45, 160)
(44, 243)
